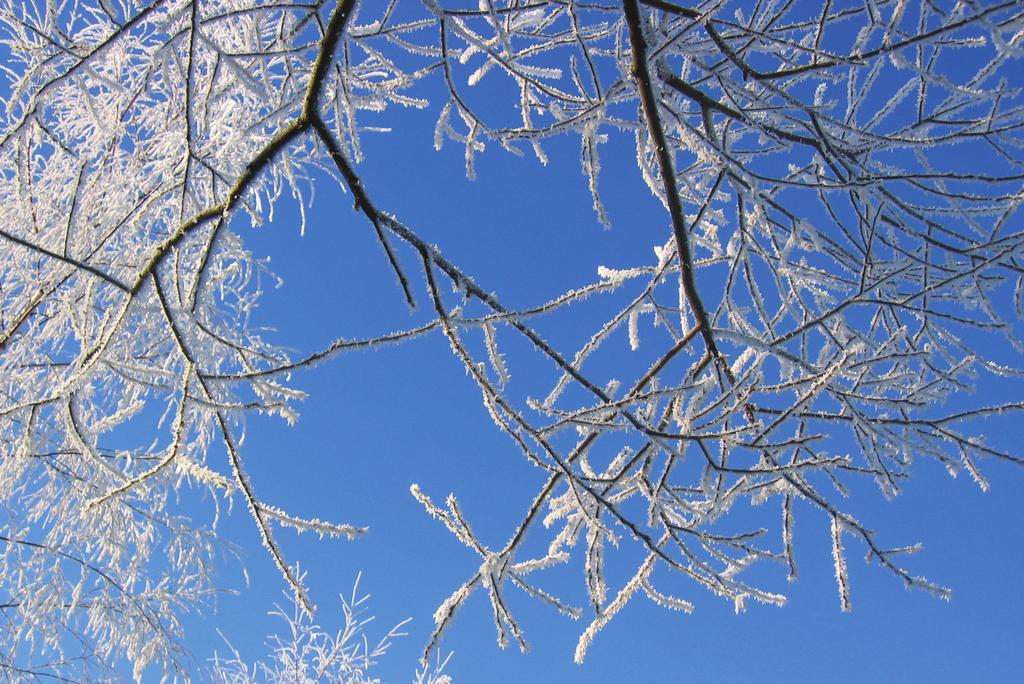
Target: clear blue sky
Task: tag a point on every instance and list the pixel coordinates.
(376, 422)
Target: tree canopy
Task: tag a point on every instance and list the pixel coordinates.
(840, 262)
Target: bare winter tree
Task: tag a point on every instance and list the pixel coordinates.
(306, 653)
(842, 258)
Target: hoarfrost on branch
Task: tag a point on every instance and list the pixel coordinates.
(841, 261)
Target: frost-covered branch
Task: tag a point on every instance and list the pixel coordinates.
(840, 263)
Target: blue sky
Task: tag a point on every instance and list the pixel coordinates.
(376, 422)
